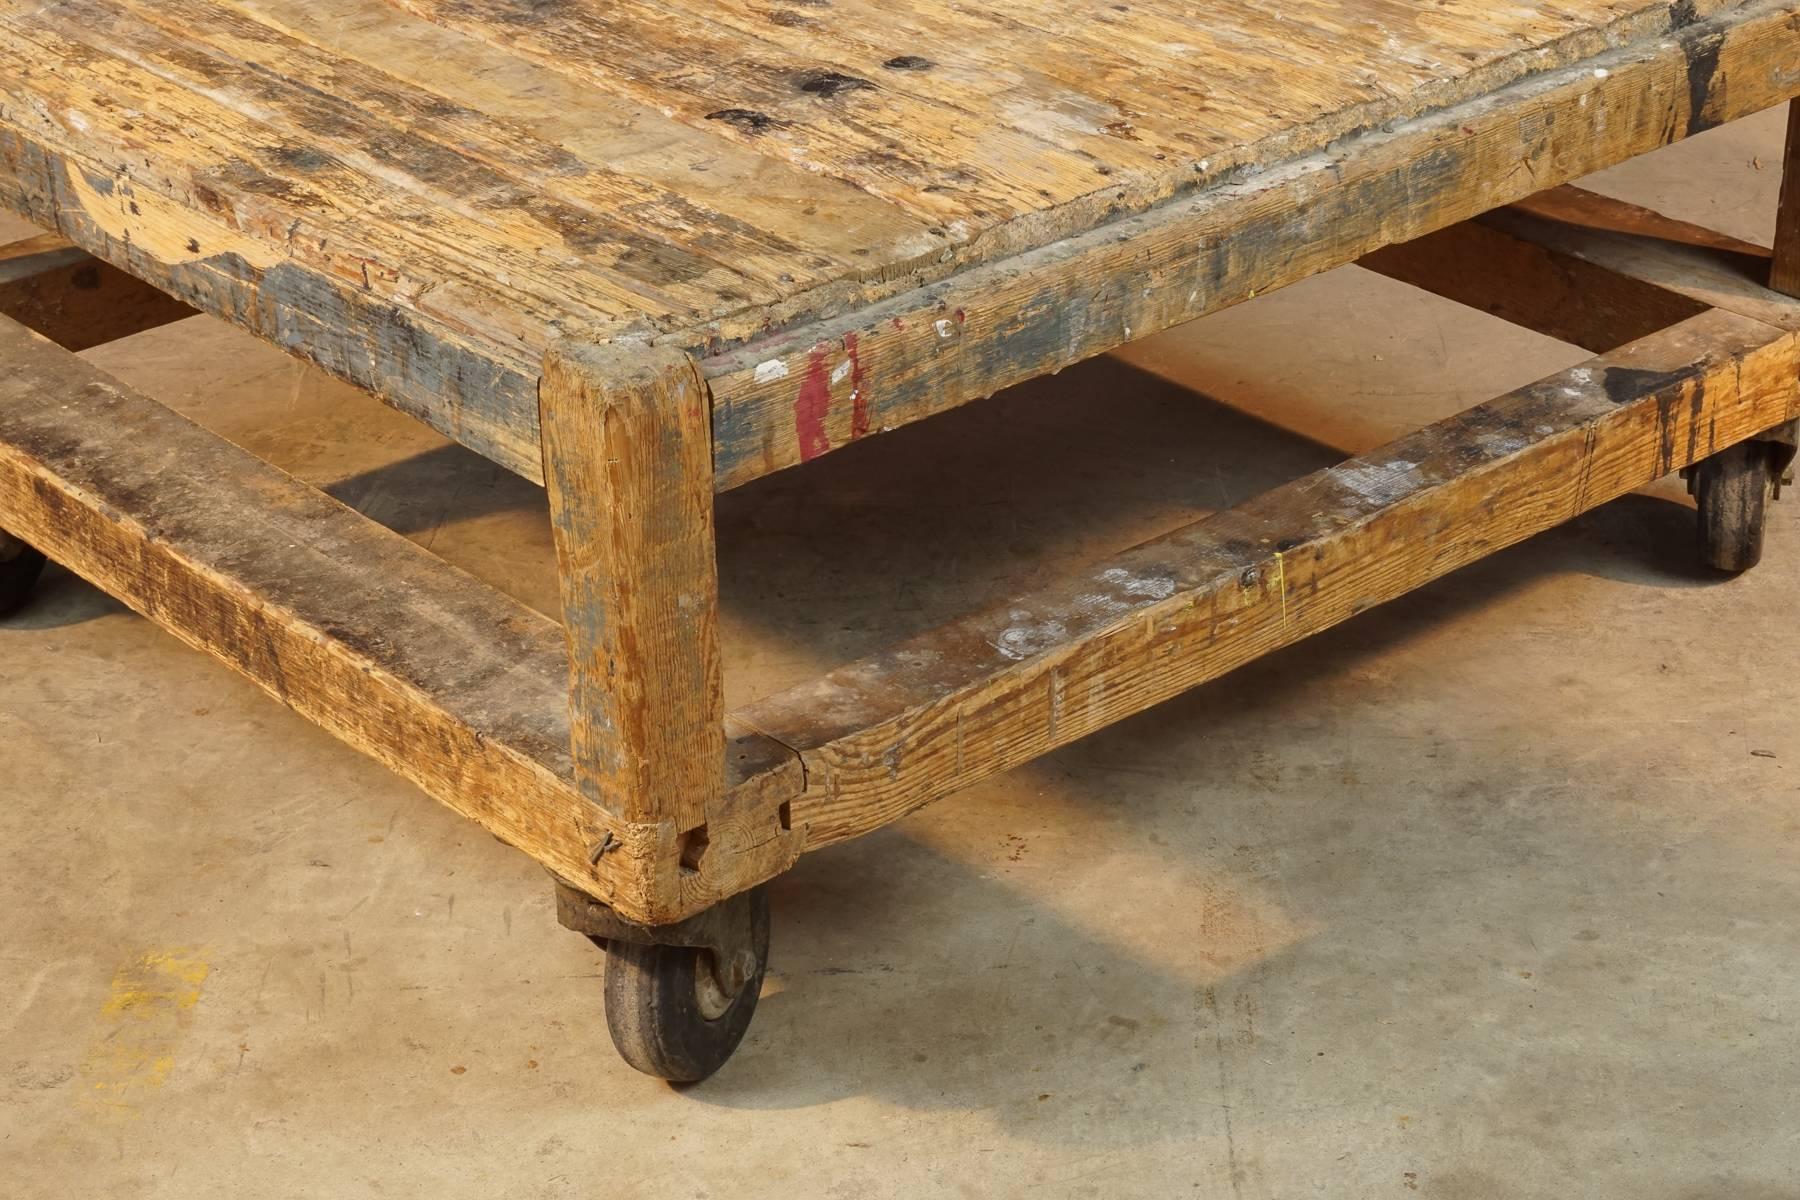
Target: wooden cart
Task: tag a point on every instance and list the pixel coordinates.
(642, 251)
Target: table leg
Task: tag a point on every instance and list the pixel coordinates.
(1784, 275)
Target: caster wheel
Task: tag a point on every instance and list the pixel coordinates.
(20, 567)
(1732, 491)
(676, 1012)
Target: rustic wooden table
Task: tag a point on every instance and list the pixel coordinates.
(645, 250)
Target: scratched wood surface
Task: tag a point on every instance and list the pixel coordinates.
(424, 195)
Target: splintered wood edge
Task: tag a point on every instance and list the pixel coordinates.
(996, 689)
(814, 388)
(446, 681)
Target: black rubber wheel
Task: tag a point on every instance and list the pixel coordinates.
(1732, 490)
(20, 567)
(667, 1013)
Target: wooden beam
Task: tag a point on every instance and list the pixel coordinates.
(1690, 261)
(628, 463)
(72, 298)
(1556, 293)
(446, 681)
(848, 368)
(1589, 269)
(1784, 274)
(817, 386)
(484, 398)
(991, 691)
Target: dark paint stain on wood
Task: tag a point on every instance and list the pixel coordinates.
(1702, 66)
(746, 119)
(1696, 409)
(1626, 385)
(830, 83)
(908, 62)
(811, 405)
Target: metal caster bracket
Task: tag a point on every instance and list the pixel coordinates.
(724, 930)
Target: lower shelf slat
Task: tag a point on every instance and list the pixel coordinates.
(443, 679)
(998, 688)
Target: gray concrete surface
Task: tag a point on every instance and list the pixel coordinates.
(1490, 893)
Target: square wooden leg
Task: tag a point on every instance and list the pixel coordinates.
(628, 464)
(1784, 275)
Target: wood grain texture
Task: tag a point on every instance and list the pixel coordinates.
(64, 293)
(858, 216)
(628, 457)
(628, 460)
(885, 735)
(811, 389)
(446, 681)
(1784, 273)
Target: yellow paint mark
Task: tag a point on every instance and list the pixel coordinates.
(147, 1010)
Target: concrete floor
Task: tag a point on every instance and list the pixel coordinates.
(1489, 893)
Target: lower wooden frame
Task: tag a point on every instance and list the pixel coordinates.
(464, 691)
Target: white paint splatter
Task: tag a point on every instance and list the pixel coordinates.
(1153, 586)
(1499, 444)
(841, 373)
(943, 327)
(768, 372)
(1379, 483)
(1029, 636)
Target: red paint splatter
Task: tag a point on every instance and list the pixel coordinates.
(810, 408)
(859, 396)
(899, 324)
(960, 317)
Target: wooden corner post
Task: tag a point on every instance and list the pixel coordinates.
(628, 463)
(1784, 274)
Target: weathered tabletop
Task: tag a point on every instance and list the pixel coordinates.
(423, 195)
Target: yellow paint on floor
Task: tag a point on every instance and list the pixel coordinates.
(146, 1012)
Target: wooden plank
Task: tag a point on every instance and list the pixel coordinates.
(1784, 275)
(430, 246)
(996, 689)
(1019, 108)
(483, 397)
(1592, 233)
(813, 388)
(444, 680)
(72, 298)
(1590, 269)
(1560, 295)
